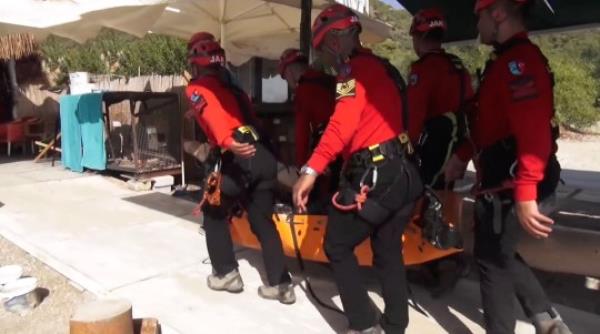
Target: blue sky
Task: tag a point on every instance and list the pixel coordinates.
(393, 3)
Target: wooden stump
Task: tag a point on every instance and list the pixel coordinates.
(103, 317)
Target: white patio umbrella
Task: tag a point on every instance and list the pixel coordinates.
(246, 28)
(78, 20)
(249, 28)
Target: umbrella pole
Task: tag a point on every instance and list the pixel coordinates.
(305, 20)
(222, 26)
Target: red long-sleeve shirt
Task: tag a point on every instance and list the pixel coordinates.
(217, 109)
(368, 111)
(434, 88)
(314, 102)
(516, 99)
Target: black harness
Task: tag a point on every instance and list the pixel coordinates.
(451, 125)
(406, 186)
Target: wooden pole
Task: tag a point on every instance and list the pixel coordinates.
(305, 22)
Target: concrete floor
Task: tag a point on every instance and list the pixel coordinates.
(93, 230)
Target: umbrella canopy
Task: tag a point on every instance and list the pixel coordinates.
(250, 27)
(246, 28)
(79, 20)
(462, 23)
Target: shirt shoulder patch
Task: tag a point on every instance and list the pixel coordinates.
(197, 100)
(196, 97)
(345, 89)
(516, 68)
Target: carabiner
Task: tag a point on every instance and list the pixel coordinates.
(511, 170)
(373, 178)
(217, 166)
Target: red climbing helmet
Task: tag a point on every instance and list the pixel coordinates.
(204, 50)
(427, 20)
(334, 17)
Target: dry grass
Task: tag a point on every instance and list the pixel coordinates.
(16, 46)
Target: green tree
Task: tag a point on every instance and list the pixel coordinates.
(398, 48)
(576, 93)
(116, 53)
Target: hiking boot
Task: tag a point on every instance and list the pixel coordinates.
(230, 282)
(550, 323)
(371, 330)
(284, 293)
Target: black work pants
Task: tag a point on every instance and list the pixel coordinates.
(346, 230)
(250, 182)
(503, 273)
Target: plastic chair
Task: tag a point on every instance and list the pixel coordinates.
(34, 130)
(13, 133)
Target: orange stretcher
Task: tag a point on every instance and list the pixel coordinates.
(310, 232)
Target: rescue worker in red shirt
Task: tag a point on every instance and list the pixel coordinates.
(439, 86)
(314, 100)
(438, 89)
(515, 145)
(380, 183)
(247, 167)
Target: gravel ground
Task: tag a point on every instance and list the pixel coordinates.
(52, 315)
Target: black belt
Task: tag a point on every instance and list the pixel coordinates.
(375, 154)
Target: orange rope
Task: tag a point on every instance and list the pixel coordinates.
(213, 198)
(359, 200)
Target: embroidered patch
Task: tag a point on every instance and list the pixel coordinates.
(195, 98)
(345, 89)
(413, 79)
(198, 101)
(523, 88)
(516, 67)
